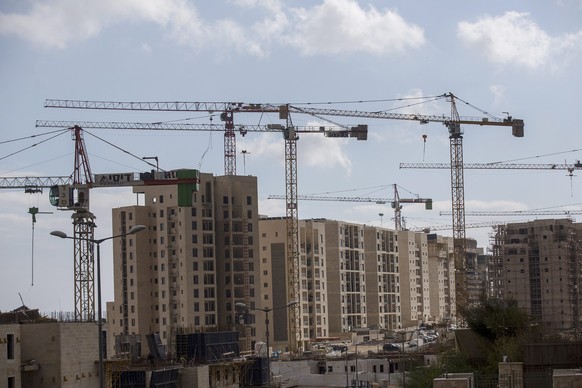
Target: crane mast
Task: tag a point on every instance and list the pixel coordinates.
(292, 220)
(83, 235)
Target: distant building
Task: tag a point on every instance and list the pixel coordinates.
(346, 276)
(537, 264)
(382, 278)
(414, 293)
(443, 305)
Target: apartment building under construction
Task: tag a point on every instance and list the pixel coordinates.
(208, 262)
(195, 262)
(537, 264)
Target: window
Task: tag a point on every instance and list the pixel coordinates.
(161, 199)
(208, 265)
(208, 279)
(10, 346)
(249, 200)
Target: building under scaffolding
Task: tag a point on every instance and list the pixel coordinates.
(536, 264)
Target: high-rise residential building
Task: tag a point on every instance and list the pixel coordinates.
(346, 276)
(414, 279)
(474, 286)
(197, 259)
(536, 264)
(382, 277)
(441, 270)
(274, 280)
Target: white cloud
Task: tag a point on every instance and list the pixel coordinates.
(515, 38)
(323, 153)
(342, 26)
(498, 92)
(55, 24)
(336, 26)
(313, 150)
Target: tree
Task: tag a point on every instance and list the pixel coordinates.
(496, 318)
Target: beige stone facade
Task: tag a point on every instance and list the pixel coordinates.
(346, 276)
(205, 251)
(382, 278)
(414, 280)
(313, 301)
(66, 354)
(197, 259)
(10, 355)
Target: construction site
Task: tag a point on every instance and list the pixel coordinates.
(209, 292)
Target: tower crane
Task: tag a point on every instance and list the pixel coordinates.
(72, 193)
(428, 229)
(570, 167)
(395, 202)
(453, 123)
(519, 213)
(290, 134)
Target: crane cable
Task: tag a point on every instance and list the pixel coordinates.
(60, 132)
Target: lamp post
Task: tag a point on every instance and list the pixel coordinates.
(357, 372)
(347, 374)
(402, 336)
(266, 310)
(244, 154)
(154, 158)
(133, 230)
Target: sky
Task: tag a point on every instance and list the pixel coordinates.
(518, 58)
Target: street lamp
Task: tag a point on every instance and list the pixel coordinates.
(357, 372)
(347, 375)
(154, 158)
(244, 154)
(266, 310)
(133, 230)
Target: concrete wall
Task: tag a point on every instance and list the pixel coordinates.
(10, 368)
(195, 377)
(567, 378)
(66, 352)
(456, 382)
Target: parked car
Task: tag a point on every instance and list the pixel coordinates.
(390, 348)
(340, 348)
